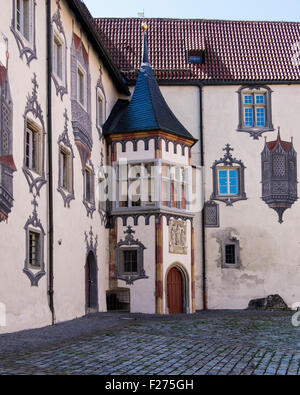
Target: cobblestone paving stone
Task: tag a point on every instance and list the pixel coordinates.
(212, 343)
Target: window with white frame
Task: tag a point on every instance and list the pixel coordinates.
(58, 57)
(228, 181)
(81, 86)
(136, 184)
(24, 18)
(34, 250)
(65, 169)
(89, 185)
(33, 147)
(255, 114)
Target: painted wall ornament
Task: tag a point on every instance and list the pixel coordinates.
(228, 161)
(130, 244)
(177, 237)
(34, 223)
(60, 86)
(64, 141)
(91, 242)
(34, 109)
(279, 175)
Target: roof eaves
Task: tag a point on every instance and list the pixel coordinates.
(79, 9)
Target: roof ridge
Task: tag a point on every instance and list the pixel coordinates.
(199, 20)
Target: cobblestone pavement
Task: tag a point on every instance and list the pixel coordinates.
(211, 343)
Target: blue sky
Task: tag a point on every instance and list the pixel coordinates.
(274, 10)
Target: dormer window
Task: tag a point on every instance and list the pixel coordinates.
(255, 116)
(195, 57)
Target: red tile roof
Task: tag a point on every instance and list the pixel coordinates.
(272, 145)
(8, 161)
(2, 74)
(234, 50)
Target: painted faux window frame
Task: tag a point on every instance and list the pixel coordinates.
(33, 224)
(65, 144)
(26, 48)
(228, 162)
(33, 112)
(212, 206)
(255, 132)
(90, 204)
(130, 244)
(235, 242)
(61, 84)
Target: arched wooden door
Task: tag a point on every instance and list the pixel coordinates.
(91, 283)
(175, 291)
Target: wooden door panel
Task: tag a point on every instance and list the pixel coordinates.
(174, 292)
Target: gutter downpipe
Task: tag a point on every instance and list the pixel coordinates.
(203, 230)
(50, 174)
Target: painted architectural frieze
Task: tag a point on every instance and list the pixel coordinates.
(177, 237)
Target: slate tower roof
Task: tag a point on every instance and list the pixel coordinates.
(147, 110)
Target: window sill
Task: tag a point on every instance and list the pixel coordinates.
(256, 132)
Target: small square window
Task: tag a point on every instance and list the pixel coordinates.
(230, 254)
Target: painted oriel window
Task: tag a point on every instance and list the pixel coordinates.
(7, 165)
(279, 175)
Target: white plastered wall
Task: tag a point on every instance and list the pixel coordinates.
(269, 252)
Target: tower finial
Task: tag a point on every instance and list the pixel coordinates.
(145, 45)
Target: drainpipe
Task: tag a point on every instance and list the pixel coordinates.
(50, 174)
(202, 161)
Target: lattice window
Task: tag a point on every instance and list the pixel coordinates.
(211, 215)
(5, 142)
(279, 166)
(5, 116)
